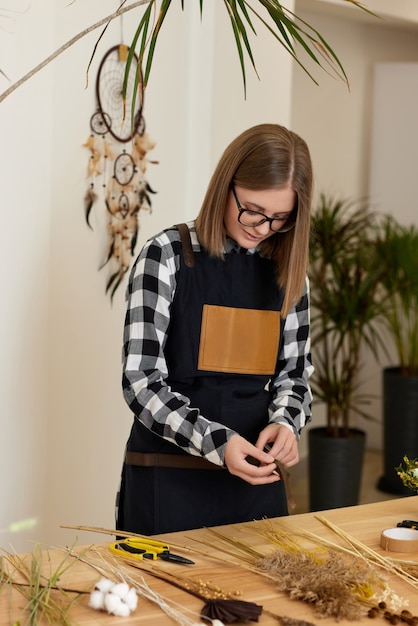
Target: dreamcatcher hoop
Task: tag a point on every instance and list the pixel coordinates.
(109, 94)
(125, 188)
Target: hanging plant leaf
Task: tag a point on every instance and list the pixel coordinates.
(275, 10)
(287, 28)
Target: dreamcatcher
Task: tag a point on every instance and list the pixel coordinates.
(118, 146)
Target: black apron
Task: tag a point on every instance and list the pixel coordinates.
(154, 500)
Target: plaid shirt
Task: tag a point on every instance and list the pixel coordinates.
(150, 292)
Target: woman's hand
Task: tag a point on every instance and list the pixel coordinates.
(283, 444)
(237, 452)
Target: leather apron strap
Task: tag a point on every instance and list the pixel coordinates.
(186, 244)
(183, 461)
(179, 461)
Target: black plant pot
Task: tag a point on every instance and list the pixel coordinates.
(400, 427)
(335, 468)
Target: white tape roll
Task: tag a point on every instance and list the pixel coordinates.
(399, 539)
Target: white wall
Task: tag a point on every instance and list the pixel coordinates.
(334, 120)
(63, 419)
(26, 179)
(394, 144)
(337, 122)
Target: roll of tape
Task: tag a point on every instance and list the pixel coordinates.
(399, 539)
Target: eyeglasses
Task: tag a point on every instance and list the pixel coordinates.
(247, 217)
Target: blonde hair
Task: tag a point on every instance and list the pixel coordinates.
(267, 156)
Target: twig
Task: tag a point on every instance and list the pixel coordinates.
(104, 531)
(375, 557)
(68, 44)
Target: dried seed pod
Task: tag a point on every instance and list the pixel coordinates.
(373, 612)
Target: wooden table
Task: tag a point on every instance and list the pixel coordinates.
(364, 523)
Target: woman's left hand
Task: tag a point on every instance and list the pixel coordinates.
(283, 444)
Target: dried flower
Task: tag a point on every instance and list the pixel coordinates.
(336, 585)
(336, 581)
(408, 473)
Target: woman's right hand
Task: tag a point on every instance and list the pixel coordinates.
(236, 452)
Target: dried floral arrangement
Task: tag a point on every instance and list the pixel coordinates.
(355, 581)
(366, 584)
(408, 473)
(219, 606)
(48, 600)
(339, 582)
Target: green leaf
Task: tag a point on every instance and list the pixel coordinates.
(287, 28)
(165, 5)
(238, 43)
(143, 27)
(235, 17)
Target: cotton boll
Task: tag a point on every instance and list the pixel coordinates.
(115, 598)
(104, 585)
(121, 590)
(96, 600)
(131, 599)
(112, 602)
(123, 610)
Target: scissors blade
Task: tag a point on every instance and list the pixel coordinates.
(176, 558)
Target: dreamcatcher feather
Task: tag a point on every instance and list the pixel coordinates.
(118, 157)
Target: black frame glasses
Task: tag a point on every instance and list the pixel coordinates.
(288, 222)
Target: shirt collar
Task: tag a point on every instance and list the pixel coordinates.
(232, 246)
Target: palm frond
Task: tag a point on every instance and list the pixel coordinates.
(239, 34)
(311, 41)
(286, 27)
(362, 6)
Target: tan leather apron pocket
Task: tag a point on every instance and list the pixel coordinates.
(243, 341)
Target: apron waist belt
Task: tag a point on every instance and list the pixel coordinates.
(182, 461)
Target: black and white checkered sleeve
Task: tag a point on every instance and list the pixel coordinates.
(168, 414)
(291, 392)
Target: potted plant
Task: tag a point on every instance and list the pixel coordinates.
(344, 279)
(397, 250)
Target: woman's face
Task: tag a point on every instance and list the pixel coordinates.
(273, 203)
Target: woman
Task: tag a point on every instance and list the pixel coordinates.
(217, 346)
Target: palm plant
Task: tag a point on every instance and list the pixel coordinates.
(344, 276)
(397, 251)
(291, 32)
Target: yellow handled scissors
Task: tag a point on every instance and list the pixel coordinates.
(138, 548)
